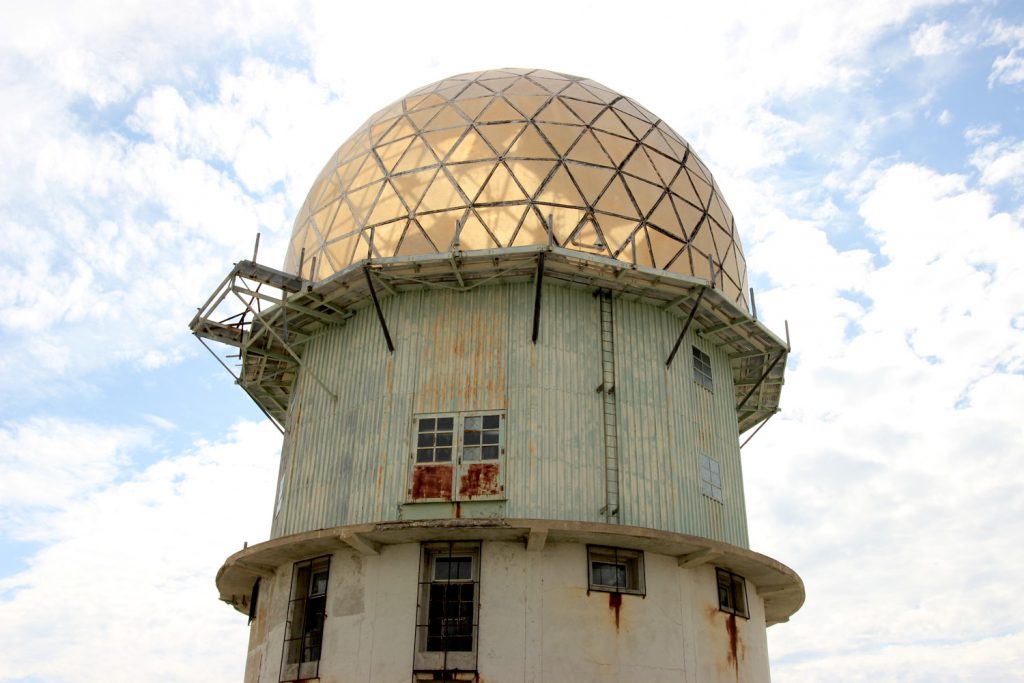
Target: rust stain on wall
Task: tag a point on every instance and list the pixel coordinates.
(730, 626)
(481, 479)
(615, 604)
(432, 481)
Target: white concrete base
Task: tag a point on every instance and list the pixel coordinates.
(537, 620)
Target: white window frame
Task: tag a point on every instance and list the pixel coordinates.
(464, 452)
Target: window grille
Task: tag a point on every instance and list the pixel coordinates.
(304, 628)
(447, 625)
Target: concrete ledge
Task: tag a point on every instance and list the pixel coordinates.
(780, 587)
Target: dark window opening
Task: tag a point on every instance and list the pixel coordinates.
(615, 570)
(732, 593)
(253, 600)
(304, 628)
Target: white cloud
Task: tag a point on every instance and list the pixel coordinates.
(127, 582)
(930, 40)
(1000, 162)
(889, 481)
(1007, 69)
(129, 234)
(48, 463)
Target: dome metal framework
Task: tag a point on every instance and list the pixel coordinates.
(519, 157)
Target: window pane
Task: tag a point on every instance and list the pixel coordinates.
(490, 437)
(427, 424)
(444, 439)
(738, 595)
(453, 568)
(490, 453)
(471, 453)
(319, 584)
(424, 455)
(445, 424)
(471, 438)
(491, 421)
(609, 574)
(425, 440)
(473, 422)
(443, 455)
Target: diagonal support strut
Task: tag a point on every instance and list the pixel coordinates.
(380, 313)
(536, 296)
(689, 319)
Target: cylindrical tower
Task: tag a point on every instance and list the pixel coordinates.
(511, 355)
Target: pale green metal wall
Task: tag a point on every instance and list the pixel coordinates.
(348, 461)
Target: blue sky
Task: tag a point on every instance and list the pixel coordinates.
(872, 152)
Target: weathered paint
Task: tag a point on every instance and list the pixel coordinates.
(432, 482)
(537, 621)
(349, 460)
(481, 479)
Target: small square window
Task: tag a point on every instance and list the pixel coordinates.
(732, 593)
(711, 478)
(615, 570)
(702, 369)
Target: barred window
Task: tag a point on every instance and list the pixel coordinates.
(304, 629)
(447, 623)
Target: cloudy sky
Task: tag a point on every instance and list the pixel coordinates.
(872, 151)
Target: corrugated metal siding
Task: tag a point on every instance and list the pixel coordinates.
(665, 418)
(350, 458)
(555, 446)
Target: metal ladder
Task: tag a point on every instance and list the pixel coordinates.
(610, 417)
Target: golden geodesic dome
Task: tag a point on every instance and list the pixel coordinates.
(516, 157)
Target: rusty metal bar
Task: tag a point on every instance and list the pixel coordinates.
(689, 319)
(761, 381)
(380, 313)
(763, 423)
(270, 417)
(536, 296)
